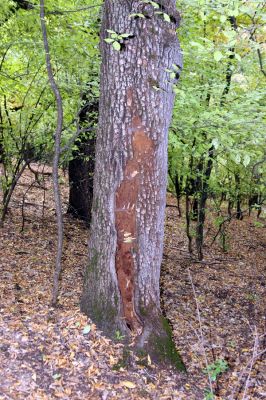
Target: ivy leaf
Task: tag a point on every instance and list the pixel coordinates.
(136, 15)
(155, 5)
(116, 46)
(166, 17)
(125, 35)
(109, 40)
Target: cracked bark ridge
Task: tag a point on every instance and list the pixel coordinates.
(121, 289)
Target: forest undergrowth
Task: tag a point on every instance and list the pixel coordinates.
(216, 308)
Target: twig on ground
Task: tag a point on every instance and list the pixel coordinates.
(201, 336)
(255, 355)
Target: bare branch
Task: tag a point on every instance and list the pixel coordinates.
(60, 12)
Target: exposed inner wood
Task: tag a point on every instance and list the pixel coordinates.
(126, 219)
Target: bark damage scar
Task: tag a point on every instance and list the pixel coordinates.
(125, 219)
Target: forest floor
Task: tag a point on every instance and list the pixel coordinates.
(216, 308)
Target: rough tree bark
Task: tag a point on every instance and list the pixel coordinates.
(81, 167)
(121, 290)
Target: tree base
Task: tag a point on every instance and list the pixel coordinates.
(156, 342)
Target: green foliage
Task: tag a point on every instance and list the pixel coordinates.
(27, 106)
(203, 116)
(220, 100)
(258, 224)
(208, 395)
(119, 336)
(216, 368)
(116, 39)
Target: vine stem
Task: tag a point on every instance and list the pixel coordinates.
(56, 158)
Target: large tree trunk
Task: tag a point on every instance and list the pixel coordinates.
(81, 167)
(121, 289)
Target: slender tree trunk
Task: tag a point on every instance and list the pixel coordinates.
(81, 167)
(229, 207)
(188, 224)
(121, 290)
(239, 214)
(7, 194)
(56, 158)
(178, 192)
(202, 204)
(253, 199)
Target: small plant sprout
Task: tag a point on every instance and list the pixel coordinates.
(118, 335)
(216, 368)
(116, 39)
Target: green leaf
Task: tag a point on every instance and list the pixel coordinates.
(176, 67)
(217, 55)
(246, 160)
(223, 18)
(86, 329)
(238, 158)
(166, 17)
(233, 13)
(136, 15)
(125, 35)
(117, 46)
(57, 376)
(196, 44)
(109, 40)
(155, 5)
(215, 143)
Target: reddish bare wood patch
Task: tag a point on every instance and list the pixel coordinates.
(126, 218)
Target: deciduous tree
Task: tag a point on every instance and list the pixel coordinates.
(140, 53)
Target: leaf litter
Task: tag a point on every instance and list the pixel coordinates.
(50, 353)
